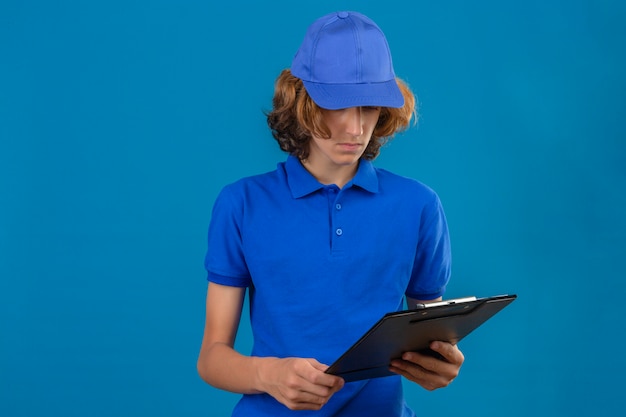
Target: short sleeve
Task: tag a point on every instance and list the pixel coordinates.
(224, 261)
(432, 265)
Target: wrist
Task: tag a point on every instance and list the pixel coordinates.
(262, 367)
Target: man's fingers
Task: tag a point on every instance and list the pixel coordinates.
(332, 381)
(431, 372)
(432, 365)
(310, 389)
(421, 376)
(450, 352)
(304, 400)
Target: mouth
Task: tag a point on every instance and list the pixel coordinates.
(350, 146)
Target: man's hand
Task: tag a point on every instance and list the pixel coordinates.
(299, 384)
(430, 372)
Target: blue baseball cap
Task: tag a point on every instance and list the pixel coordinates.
(344, 61)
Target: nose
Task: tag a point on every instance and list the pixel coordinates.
(354, 121)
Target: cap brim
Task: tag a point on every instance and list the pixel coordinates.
(341, 96)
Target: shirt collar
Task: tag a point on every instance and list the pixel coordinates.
(302, 183)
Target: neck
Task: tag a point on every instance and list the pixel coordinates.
(339, 175)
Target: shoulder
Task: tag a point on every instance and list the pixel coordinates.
(253, 193)
(252, 185)
(390, 182)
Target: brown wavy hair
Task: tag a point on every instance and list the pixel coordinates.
(295, 118)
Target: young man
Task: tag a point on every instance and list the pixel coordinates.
(326, 243)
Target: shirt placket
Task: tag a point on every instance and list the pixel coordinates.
(336, 219)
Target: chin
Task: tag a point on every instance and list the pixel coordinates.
(347, 161)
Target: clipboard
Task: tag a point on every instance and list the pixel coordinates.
(412, 331)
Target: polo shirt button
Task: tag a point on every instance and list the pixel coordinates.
(339, 232)
(338, 206)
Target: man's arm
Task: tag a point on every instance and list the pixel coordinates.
(300, 384)
(430, 372)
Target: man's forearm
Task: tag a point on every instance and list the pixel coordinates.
(223, 367)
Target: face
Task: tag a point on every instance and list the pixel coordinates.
(350, 131)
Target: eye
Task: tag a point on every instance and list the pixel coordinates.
(371, 108)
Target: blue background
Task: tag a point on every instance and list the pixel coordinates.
(120, 122)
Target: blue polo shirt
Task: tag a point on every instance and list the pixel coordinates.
(323, 264)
